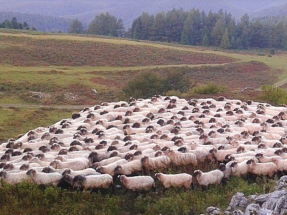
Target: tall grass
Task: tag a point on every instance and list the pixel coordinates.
(273, 95)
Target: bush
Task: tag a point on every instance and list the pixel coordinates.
(273, 95)
(210, 88)
(144, 86)
(149, 84)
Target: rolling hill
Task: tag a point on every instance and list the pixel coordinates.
(128, 10)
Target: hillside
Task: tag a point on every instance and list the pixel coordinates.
(128, 10)
(279, 11)
(40, 22)
(57, 69)
(46, 77)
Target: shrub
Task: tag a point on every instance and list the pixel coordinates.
(148, 84)
(210, 88)
(144, 86)
(273, 95)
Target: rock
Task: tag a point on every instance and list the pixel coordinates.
(238, 201)
(237, 212)
(282, 183)
(213, 211)
(265, 212)
(275, 200)
(252, 209)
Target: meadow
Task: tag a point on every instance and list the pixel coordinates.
(46, 77)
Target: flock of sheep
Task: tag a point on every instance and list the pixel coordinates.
(137, 142)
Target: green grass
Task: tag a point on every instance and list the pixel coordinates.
(30, 199)
(14, 121)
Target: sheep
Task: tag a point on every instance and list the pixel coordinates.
(110, 168)
(106, 161)
(137, 183)
(209, 178)
(175, 180)
(74, 164)
(88, 171)
(129, 168)
(239, 168)
(14, 178)
(268, 168)
(92, 181)
(178, 158)
(42, 178)
(161, 162)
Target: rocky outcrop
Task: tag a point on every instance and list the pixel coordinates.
(274, 203)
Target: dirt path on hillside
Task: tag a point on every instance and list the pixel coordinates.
(58, 107)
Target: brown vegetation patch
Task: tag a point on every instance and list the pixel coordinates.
(24, 51)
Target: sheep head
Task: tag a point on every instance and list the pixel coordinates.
(31, 172)
(55, 164)
(78, 181)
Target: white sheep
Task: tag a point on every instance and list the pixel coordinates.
(178, 158)
(161, 162)
(208, 178)
(44, 178)
(92, 181)
(175, 180)
(129, 168)
(110, 168)
(74, 164)
(268, 168)
(14, 178)
(137, 183)
(88, 171)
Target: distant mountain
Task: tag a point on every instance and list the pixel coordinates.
(128, 10)
(280, 10)
(40, 22)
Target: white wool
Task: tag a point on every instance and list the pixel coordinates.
(209, 178)
(137, 182)
(175, 180)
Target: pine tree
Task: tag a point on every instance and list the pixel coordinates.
(205, 40)
(184, 37)
(225, 43)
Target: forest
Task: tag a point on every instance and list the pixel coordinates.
(216, 29)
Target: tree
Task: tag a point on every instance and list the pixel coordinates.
(76, 27)
(225, 43)
(205, 40)
(218, 32)
(105, 24)
(15, 24)
(157, 31)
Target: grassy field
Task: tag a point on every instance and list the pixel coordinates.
(46, 77)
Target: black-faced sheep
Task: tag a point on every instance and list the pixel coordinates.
(175, 180)
(137, 183)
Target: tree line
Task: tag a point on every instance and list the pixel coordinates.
(194, 27)
(14, 24)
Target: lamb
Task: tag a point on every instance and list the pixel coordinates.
(209, 178)
(175, 180)
(92, 181)
(42, 178)
(268, 168)
(137, 183)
